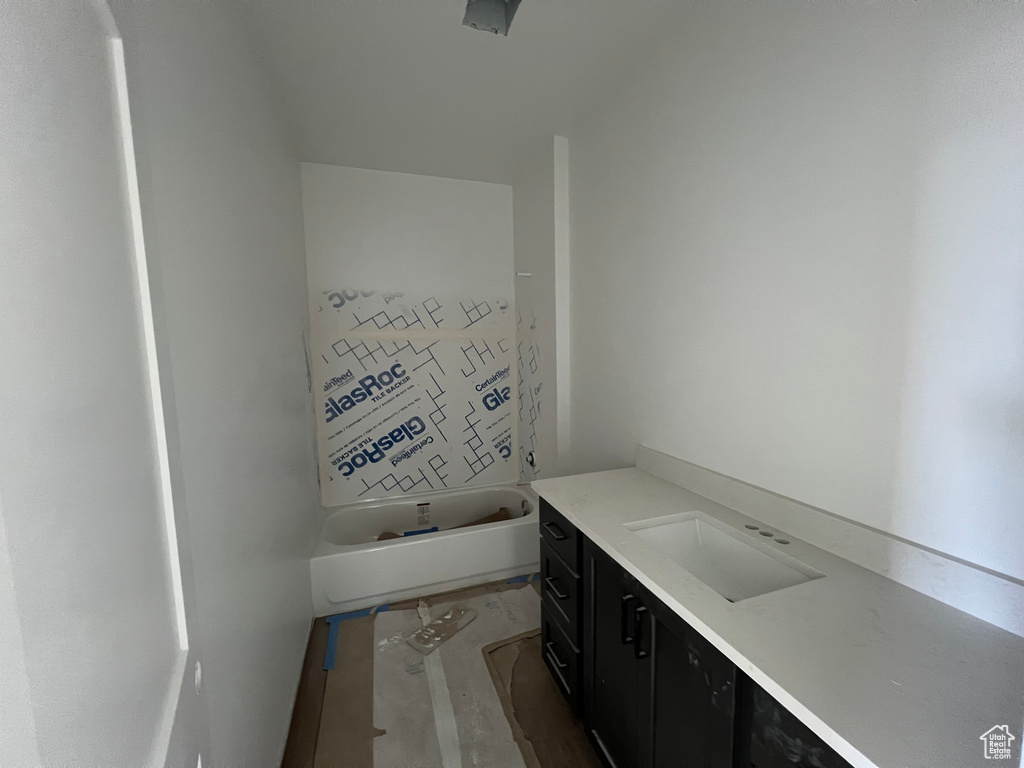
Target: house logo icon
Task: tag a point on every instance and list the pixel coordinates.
(997, 742)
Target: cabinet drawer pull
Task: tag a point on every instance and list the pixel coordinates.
(553, 655)
(556, 532)
(559, 594)
(627, 619)
(641, 647)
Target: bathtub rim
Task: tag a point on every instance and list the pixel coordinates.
(325, 548)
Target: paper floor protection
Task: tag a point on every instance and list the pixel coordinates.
(441, 710)
(542, 722)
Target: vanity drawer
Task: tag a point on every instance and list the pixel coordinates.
(560, 535)
(560, 590)
(563, 659)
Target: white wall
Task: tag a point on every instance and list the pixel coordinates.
(17, 722)
(398, 231)
(88, 644)
(221, 203)
(534, 224)
(797, 242)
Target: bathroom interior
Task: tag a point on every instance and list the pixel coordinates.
(512, 383)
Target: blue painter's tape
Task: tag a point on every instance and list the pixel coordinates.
(332, 641)
(358, 614)
(422, 530)
(524, 579)
(332, 629)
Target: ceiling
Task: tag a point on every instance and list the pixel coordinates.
(401, 85)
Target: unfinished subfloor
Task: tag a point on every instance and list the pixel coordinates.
(481, 698)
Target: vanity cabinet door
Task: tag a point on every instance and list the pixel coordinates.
(617, 662)
(657, 694)
(693, 698)
(769, 736)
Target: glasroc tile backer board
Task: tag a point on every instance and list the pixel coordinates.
(413, 393)
(531, 394)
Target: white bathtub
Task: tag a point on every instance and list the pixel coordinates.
(351, 570)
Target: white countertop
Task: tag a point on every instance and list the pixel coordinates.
(888, 677)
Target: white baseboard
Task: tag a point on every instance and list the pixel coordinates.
(997, 599)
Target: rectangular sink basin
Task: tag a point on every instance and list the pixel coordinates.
(734, 564)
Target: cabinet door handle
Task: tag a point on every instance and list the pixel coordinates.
(553, 654)
(551, 582)
(556, 532)
(641, 647)
(627, 621)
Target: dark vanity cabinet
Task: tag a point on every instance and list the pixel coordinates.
(561, 601)
(656, 693)
(653, 692)
(770, 736)
(694, 696)
(617, 661)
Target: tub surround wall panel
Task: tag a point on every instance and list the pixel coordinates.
(535, 402)
(413, 332)
(796, 261)
(413, 394)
